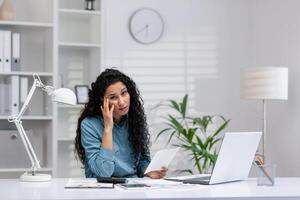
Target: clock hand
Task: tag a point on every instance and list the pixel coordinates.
(142, 29)
(147, 31)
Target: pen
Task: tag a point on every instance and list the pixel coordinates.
(259, 159)
(258, 163)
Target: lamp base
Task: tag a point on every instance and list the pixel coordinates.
(28, 177)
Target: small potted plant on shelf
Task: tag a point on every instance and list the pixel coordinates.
(198, 136)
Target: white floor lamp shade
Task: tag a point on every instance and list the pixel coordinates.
(264, 83)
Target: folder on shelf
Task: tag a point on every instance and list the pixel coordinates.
(14, 95)
(2, 96)
(16, 52)
(7, 93)
(23, 89)
(7, 51)
(1, 51)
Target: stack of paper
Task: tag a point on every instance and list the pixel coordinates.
(86, 183)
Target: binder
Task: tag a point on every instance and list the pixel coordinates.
(1, 51)
(2, 96)
(7, 51)
(15, 53)
(7, 94)
(14, 95)
(23, 89)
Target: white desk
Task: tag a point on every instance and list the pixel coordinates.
(285, 188)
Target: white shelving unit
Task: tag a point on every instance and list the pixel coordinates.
(78, 49)
(20, 73)
(30, 117)
(79, 45)
(34, 22)
(26, 24)
(60, 41)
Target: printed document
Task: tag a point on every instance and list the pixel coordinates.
(86, 183)
(161, 159)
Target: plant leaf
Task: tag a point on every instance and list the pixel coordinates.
(213, 143)
(222, 127)
(176, 123)
(183, 105)
(171, 136)
(161, 132)
(175, 105)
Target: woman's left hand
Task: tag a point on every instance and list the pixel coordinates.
(157, 174)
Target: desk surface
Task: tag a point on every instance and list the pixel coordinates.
(284, 188)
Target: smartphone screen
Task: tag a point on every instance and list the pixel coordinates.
(133, 185)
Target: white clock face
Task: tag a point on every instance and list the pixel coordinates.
(146, 26)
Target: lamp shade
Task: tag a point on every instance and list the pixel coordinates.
(264, 83)
(64, 95)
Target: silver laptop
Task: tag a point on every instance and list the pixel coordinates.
(234, 160)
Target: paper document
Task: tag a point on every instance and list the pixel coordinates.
(161, 159)
(86, 183)
(164, 184)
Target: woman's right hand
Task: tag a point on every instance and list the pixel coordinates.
(107, 114)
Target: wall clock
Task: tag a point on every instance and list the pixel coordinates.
(146, 26)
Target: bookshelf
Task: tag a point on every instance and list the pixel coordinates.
(78, 63)
(34, 22)
(60, 41)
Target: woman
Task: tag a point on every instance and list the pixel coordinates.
(112, 135)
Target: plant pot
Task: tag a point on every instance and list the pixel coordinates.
(7, 11)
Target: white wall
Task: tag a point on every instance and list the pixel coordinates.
(247, 33)
(275, 30)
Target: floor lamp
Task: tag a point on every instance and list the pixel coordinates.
(264, 83)
(62, 95)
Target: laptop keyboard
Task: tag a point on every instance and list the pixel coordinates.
(190, 177)
(203, 178)
(200, 180)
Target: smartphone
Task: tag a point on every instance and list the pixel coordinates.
(113, 180)
(133, 185)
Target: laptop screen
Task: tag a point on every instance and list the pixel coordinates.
(235, 156)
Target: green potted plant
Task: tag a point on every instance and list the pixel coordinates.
(195, 134)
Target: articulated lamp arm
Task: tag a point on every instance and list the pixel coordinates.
(62, 95)
(18, 122)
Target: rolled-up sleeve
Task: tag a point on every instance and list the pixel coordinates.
(99, 160)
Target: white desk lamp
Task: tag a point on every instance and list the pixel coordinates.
(264, 83)
(62, 95)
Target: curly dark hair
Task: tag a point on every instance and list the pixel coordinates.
(138, 134)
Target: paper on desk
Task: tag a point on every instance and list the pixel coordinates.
(86, 183)
(163, 184)
(154, 182)
(161, 159)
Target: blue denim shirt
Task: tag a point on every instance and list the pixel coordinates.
(118, 162)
